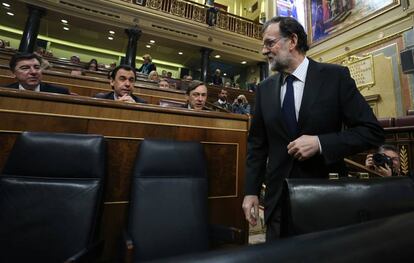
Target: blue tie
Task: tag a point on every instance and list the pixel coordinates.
(288, 107)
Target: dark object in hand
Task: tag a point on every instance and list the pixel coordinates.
(381, 159)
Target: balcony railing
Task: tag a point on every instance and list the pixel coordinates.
(199, 13)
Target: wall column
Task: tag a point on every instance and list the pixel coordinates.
(205, 62)
(133, 35)
(31, 29)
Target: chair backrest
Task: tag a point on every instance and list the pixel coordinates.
(168, 207)
(50, 189)
(311, 205)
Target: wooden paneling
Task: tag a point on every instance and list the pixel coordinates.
(124, 127)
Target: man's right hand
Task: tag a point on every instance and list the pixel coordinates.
(251, 208)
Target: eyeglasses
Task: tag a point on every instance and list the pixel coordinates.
(27, 68)
(269, 43)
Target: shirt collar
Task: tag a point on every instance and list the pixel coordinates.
(37, 89)
(301, 71)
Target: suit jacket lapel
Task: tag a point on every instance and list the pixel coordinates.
(313, 84)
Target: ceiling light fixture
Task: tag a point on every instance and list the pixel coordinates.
(180, 53)
(152, 41)
(244, 62)
(6, 4)
(10, 13)
(110, 38)
(217, 56)
(224, 74)
(148, 46)
(111, 32)
(64, 21)
(66, 28)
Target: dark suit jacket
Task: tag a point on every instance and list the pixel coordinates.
(330, 100)
(110, 96)
(44, 87)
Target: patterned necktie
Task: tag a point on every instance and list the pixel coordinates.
(288, 107)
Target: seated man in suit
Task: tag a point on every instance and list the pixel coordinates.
(122, 80)
(196, 95)
(222, 100)
(26, 68)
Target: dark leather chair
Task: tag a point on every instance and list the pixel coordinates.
(168, 208)
(311, 205)
(51, 189)
(379, 241)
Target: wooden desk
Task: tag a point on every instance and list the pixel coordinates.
(124, 127)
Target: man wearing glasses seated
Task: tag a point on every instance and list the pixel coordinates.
(26, 68)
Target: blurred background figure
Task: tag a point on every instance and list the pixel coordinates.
(75, 59)
(163, 84)
(147, 66)
(93, 65)
(241, 105)
(153, 75)
(216, 78)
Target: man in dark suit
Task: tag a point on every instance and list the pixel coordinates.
(298, 127)
(26, 68)
(122, 80)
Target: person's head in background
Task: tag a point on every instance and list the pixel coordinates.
(153, 75)
(26, 68)
(2, 44)
(163, 84)
(169, 74)
(217, 72)
(163, 73)
(147, 58)
(196, 95)
(227, 85)
(223, 95)
(93, 65)
(188, 78)
(241, 99)
(75, 59)
(122, 80)
(392, 152)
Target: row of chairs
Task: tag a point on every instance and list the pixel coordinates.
(51, 191)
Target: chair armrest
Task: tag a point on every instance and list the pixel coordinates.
(89, 254)
(127, 247)
(226, 234)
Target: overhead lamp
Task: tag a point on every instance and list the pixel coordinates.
(10, 13)
(148, 46)
(111, 32)
(64, 21)
(217, 56)
(244, 62)
(224, 74)
(66, 28)
(6, 4)
(152, 41)
(180, 53)
(110, 38)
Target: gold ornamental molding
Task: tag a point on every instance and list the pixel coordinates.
(362, 70)
(404, 160)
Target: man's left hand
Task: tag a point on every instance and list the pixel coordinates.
(304, 147)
